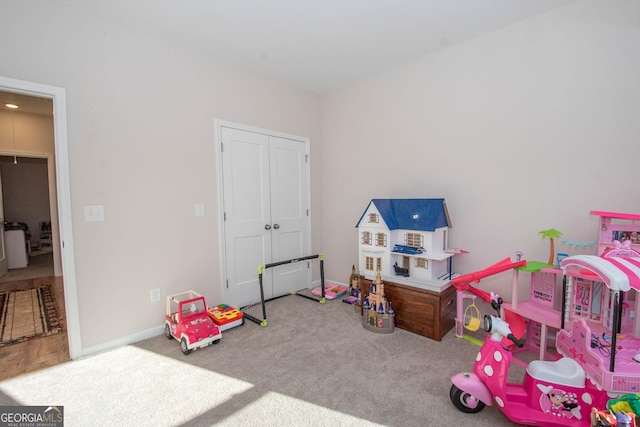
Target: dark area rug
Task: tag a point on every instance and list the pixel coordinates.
(26, 314)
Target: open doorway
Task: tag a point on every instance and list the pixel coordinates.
(28, 201)
(27, 212)
(59, 192)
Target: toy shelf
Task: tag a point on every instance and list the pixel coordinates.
(537, 313)
(539, 307)
(544, 316)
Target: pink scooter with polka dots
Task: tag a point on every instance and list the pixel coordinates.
(551, 394)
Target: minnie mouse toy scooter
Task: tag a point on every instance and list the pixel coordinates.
(552, 393)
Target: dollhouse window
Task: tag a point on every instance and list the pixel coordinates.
(413, 239)
(369, 263)
(373, 217)
(421, 263)
(381, 239)
(366, 238)
(378, 264)
(588, 299)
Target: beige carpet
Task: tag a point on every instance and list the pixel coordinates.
(26, 314)
(313, 365)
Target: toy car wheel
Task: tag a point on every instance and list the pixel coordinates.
(183, 346)
(167, 331)
(216, 341)
(464, 401)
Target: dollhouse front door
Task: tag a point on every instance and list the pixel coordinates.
(265, 184)
(406, 262)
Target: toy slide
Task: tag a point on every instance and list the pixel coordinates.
(463, 284)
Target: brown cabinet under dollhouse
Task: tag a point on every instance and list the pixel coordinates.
(423, 312)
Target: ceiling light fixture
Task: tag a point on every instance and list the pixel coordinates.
(12, 106)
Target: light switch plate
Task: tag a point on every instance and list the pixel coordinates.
(94, 213)
(199, 209)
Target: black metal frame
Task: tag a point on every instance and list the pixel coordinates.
(275, 264)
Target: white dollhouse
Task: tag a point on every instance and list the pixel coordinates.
(406, 240)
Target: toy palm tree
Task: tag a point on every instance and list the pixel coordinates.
(551, 233)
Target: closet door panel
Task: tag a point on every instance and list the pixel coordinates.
(288, 166)
(247, 206)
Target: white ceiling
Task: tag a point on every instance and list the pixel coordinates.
(317, 45)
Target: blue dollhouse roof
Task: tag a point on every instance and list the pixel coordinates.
(411, 214)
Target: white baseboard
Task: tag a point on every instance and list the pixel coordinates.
(122, 341)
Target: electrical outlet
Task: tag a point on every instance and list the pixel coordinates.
(156, 295)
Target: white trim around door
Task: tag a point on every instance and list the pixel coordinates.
(264, 165)
(58, 95)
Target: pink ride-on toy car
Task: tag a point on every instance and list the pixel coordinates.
(188, 322)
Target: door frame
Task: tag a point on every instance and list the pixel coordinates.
(219, 124)
(4, 263)
(63, 192)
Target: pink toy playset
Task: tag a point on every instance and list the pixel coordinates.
(542, 309)
(552, 394)
(599, 331)
(331, 291)
(597, 340)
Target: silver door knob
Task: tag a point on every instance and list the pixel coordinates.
(276, 226)
(267, 227)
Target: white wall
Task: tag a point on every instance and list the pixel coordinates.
(523, 129)
(141, 142)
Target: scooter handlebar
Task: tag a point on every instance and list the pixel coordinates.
(515, 340)
(499, 329)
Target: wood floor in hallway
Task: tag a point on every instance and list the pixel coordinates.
(37, 353)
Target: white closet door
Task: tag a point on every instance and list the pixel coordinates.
(247, 197)
(289, 195)
(265, 196)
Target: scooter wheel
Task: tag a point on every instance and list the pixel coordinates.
(464, 401)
